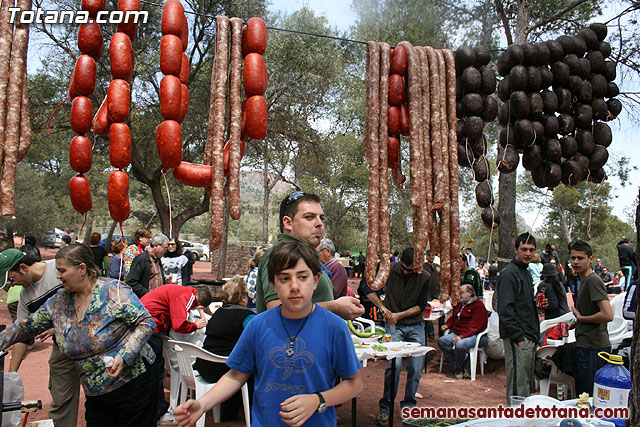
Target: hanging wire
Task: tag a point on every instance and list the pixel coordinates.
(164, 176)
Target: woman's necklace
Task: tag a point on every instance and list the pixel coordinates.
(290, 351)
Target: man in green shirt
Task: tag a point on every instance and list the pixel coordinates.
(302, 218)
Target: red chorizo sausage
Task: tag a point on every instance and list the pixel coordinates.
(393, 121)
(243, 121)
(84, 81)
(184, 38)
(254, 75)
(256, 124)
(118, 98)
(169, 143)
(80, 194)
(393, 151)
(184, 103)
(72, 89)
(404, 119)
(129, 26)
(101, 121)
(396, 90)
(170, 55)
(119, 145)
(172, 14)
(399, 61)
(193, 174)
(184, 69)
(90, 40)
(170, 97)
(121, 55)
(118, 195)
(80, 154)
(81, 114)
(92, 6)
(254, 37)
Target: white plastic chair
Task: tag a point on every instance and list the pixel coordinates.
(191, 379)
(476, 354)
(547, 323)
(616, 304)
(359, 322)
(564, 383)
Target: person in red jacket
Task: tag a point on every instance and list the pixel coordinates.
(467, 320)
(169, 305)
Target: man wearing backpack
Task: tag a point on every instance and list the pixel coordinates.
(519, 325)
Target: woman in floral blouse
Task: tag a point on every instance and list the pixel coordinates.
(141, 240)
(102, 326)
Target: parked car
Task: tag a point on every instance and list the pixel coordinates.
(198, 248)
(52, 238)
(103, 242)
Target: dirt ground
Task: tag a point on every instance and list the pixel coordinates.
(438, 390)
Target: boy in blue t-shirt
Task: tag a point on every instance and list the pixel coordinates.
(295, 352)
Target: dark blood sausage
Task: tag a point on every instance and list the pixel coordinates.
(81, 114)
(170, 55)
(254, 37)
(256, 124)
(84, 81)
(184, 103)
(393, 120)
(192, 174)
(254, 75)
(393, 151)
(101, 122)
(118, 195)
(128, 26)
(184, 38)
(90, 40)
(118, 98)
(404, 119)
(121, 55)
(80, 193)
(172, 14)
(399, 61)
(119, 145)
(80, 154)
(396, 90)
(170, 97)
(184, 69)
(92, 6)
(169, 143)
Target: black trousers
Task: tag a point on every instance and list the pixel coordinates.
(156, 343)
(131, 405)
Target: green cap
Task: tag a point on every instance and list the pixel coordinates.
(8, 259)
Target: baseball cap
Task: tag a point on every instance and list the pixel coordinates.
(8, 259)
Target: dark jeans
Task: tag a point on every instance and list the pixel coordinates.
(131, 405)
(156, 342)
(588, 365)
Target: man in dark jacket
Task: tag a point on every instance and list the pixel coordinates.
(468, 319)
(406, 297)
(146, 271)
(627, 259)
(519, 326)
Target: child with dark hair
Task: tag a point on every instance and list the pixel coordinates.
(592, 311)
(295, 352)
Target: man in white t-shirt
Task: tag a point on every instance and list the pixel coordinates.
(39, 282)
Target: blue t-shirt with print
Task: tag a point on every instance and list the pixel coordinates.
(322, 350)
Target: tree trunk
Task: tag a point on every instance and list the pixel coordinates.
(107, 245)
(507, 208)
(565, 226)
(87, 234)
(265, 201)
(634, 397)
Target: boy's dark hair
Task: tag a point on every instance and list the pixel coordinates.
(95, 238)
(286, 254)
(67, 239)
(30, 240)
(525, 238)
(407, 257)
(204, 295)
(581, 246)
(28, 259)
(289, 205)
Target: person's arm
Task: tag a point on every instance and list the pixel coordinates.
(131, 311)
(134, 278)
(349, 308)
(603, 316)
(299, 408)
(422, 302)
(17, 355)
(189, 412)
(22, 330)
(375, 300)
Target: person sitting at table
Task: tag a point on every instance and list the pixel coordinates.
(468, 319)
(222, 333)
(555, 301)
